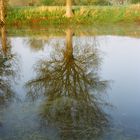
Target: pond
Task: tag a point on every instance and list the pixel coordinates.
(70, 83)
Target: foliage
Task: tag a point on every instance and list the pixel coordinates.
(47, 2)
(135, 1)
(76, 2)
(56, 2)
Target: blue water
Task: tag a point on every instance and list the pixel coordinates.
(108, 73)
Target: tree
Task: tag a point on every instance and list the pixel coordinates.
(69, 12)
(70, 86)
(8, 69)
(2, 12)
(4, 40)
(3, 9)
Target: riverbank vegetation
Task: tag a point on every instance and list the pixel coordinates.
(132, 30)
(71, 12)
(75, 2)
(55, 15)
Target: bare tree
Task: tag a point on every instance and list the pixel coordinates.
(8, 66)
(72, 102)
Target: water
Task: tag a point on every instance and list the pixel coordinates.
(70, 84)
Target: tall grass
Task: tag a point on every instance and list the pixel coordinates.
(55, 15)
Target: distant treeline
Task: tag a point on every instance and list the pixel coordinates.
(75, 2)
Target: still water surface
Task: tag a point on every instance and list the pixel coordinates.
(65, 87)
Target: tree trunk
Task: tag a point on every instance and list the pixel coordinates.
(69, 12)
(2, 11)
(3, 40)
(69, 46)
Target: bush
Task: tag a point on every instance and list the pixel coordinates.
(76, 2)
(135, 1)
(47, 2)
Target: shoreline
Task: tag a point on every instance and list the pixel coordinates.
(83, 15)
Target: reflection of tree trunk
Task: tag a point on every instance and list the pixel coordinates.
(2, 15)
(69, 47)
(69, 59)
(69, 12)
(3, 40)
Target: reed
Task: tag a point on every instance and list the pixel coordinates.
(55, 15)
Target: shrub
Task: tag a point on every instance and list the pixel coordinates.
(135, 1)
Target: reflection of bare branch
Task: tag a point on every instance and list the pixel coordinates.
(71, 84)
(35, 44)
(7, 68)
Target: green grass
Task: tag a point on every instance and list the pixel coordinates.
(55, 15)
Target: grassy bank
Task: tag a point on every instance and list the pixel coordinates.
(82, 15)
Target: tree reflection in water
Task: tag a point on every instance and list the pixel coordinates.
(7, 72)
(35, 44)
(72, 91)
